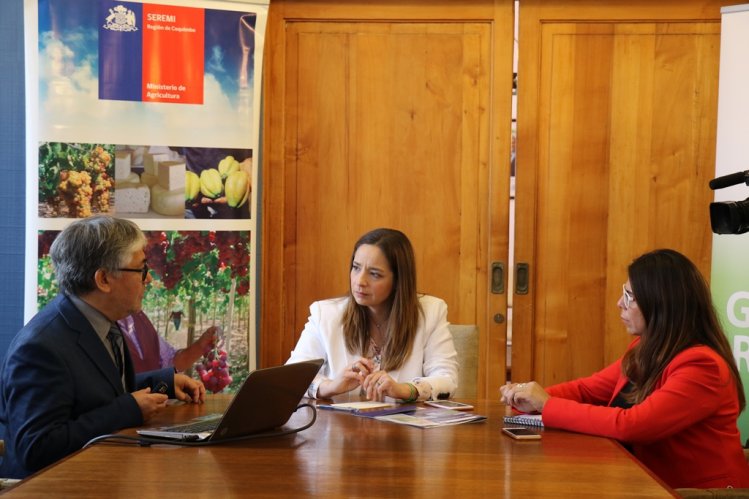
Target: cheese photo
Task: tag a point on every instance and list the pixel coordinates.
(149, 182)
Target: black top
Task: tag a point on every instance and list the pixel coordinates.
(619, 400)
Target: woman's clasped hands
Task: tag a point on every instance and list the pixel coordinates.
(375, 384)
(525, 397)
(354, 375)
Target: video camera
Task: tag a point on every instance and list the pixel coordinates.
(730, 217)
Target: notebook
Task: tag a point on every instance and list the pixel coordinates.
(525, 419)
(266, 400)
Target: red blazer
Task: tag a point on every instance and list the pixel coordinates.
(684, 431)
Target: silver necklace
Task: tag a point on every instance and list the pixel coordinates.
(376, 349)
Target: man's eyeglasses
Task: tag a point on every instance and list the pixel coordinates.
(143, 271)
(628, 297)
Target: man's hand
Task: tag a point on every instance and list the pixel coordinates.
(188, 389)
(149, 403)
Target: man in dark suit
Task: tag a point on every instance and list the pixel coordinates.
(67, 377)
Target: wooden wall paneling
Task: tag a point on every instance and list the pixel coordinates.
(273, 344)
(572, 199)
(616, 127)
(386, 115)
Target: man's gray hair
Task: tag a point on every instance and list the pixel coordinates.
(90, 244)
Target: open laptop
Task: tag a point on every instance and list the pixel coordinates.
(266, 400)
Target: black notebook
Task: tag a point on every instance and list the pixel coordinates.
(525, 419)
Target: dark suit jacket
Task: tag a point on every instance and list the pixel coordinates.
(59, 389)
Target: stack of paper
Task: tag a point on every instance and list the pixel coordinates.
(432, 417)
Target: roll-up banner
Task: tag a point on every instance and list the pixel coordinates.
(730, 268)
(151, 112)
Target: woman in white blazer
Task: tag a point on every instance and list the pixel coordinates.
(383, 339)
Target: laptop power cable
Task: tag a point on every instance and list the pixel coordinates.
(148, 441)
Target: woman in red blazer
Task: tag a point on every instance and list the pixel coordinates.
(674, 397)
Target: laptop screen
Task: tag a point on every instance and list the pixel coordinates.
(266, 400)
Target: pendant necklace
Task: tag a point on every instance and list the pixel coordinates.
(376, 349)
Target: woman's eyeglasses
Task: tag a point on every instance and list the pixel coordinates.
(628, 297)
(143, 271)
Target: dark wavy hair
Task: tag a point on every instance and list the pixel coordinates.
(404, 301)
(675, 301)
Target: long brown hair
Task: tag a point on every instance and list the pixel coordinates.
(404, 302)
(675, 301)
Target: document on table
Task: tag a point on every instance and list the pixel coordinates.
(432, 417)
(366, 405)
(368, 408)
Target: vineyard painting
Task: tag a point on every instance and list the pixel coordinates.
(75, 180)
(200, 279)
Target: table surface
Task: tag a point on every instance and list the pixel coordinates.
(343, 455)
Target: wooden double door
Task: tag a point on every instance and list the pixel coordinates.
(393, 114)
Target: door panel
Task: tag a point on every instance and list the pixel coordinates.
(392, 117)
(616, 132)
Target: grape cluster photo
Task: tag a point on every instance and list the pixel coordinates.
(75, 180)
(213, 370)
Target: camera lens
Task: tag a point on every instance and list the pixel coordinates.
(730, 217)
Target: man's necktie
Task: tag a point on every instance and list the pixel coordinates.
(115, 339)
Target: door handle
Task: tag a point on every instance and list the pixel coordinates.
(498, 278)
(522, 278)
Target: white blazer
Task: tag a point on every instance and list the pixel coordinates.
(432, 360)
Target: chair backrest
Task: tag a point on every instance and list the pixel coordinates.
(466, 340)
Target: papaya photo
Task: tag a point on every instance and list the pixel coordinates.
(218, 182)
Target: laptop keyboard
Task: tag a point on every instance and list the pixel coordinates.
(196, 427)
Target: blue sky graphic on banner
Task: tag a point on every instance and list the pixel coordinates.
(70, 106)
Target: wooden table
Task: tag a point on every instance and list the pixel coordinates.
(343, 455)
